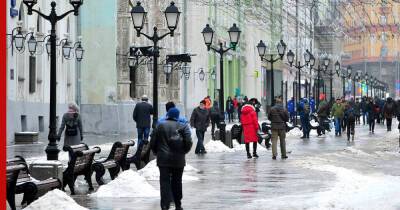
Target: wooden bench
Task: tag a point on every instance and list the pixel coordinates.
(116, 159)
(24, 183)
(79, 164)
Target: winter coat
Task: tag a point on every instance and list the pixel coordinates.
(235, 103)
(249, 123)
(357, 109)
(215, 113)
(229, 106)
(323, 109)
(312, 105)
(389, 109)
(290, 106)
(200, 119)
(337, 110)
(278, 117)
(142, 114)
(167, 157)
(71, 117)
(372, 108)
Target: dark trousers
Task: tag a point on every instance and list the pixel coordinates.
(143, 135)
(292, 117)
(254, 148)
(365, 117)
(200, 140)
(350, 128)
(230, 116)
(371, 122)
(358, 120)
(389, 124)
(321, 127)
(305, 124)
(170, 182)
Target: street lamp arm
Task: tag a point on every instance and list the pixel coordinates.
(47, 17)
(164, 35)
(65, 14)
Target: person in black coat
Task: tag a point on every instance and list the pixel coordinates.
(230, 109)
(142, 116)
(215, 114)
(170, 142)
(200, 120)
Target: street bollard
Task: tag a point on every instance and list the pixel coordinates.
(222, 130)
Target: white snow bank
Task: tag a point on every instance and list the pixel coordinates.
(55, 199)
(152, 173)
(313, 123)
(294, 132)
(128, 184)
(351, 190)
(217, 146)
(355, 151)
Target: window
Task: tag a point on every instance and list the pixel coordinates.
(32, 74)
(23, 123)
(41, 124)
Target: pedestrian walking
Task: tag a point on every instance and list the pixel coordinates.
(200, 120)
(373, 112)
(389, 110)
(142, 116)
(170, 141)
(229, 109)
(278, 117)
(337, 112)
(364, 103)
(350, 120)
(290, 108)
(215, 114)
(357, 111)
(235, 107)
(72, 123)
(312, 104)
(240, 105)
(323, 113)
(304, 113)
(250, 127)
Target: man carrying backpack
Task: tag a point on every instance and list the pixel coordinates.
(350, 120)
(170, 141)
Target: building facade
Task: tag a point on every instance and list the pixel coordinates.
(28, 76)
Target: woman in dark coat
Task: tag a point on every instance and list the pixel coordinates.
(72, 124)
(250, 128)
(230, 109)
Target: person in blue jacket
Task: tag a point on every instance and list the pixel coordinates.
(290, 108)
(182, 120)
(304, 112)
(312, 104)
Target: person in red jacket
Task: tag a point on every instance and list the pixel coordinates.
(250, 127)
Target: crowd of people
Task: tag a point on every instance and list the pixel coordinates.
(344, 113)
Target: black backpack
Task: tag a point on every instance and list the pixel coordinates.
(350, 115)
(71, 126)
(176, 141)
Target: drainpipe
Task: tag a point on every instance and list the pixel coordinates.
(78, 66)
(185, 85)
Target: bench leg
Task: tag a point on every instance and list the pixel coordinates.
(114, 172)
(29, 194)
(88, 177)
(100, 171)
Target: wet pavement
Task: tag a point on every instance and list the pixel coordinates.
(321, 173)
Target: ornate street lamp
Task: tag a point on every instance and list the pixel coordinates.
(202, 75)
(234, 34)
(281, 47)
(32, 44)
(167, 71)
(138, 15)
(186, 70)
(52, 148)
(66, 49)
(79, 51)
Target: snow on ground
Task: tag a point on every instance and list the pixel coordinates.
(294, 132)
(55, 199)
(128, 184)
(152, 173)
(217, 146)
(350, 190)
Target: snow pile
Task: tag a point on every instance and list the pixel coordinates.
(294, 132)
(55, 199)
(217, 146)
(351, 190)
(128, 184)
(152, 173)
(355, 151)
(313, 123)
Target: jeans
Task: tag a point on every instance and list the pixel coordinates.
(170, 182)
(143, 135)
(338, 126)
(230, 116)
(200, 139)
(365, 117)
(305, 124)
(292, 117)
(371, 122)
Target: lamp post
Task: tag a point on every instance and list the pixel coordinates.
(344, 74)
(261, 47)
(330, 74)
(307, 58)
(366, 78)
(356, 78)
(234, 34)
(319, 69)
(52, 148)
(138, 15)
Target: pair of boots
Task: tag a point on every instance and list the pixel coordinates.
(254, 150)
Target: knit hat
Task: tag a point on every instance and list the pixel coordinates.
(173, 113)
